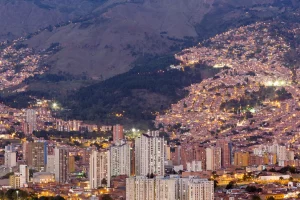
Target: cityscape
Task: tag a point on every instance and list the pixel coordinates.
(231, 134)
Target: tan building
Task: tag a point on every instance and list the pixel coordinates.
(72, 164)
(37, 155)
(14, 180)
(241, 159)
(61, 164)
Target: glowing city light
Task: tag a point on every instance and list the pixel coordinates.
(55, 106)
(276, 83)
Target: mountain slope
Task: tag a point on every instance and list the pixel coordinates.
(257, 91)
(105, 37)
(101, 101)
(142, 36)
(20, 17)
(118, 33)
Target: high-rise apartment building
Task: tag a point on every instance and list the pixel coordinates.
(36, 155)
(10, 159)
(119, 160)
(31, 122)
(176, 155)
(213, 158)
(99, 167)
(118, 133)
(61, 164)
(149, 154)
(50, 163)
(24, 175)
(226, 152)
(200, 189)
(200, 155)
(241, 159)
(140, 188)
(169, 188)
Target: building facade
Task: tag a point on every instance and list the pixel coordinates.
(61, 164)
(213, 158)
(36, 155)
(99, 167)
(24, 175)
(119, 160)
(149, 154)
(169, 188)
(31, 122)
(118, 133)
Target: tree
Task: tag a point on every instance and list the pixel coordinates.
(291, 179)
(76, 143)
(104, 181)
(2, 194)
(281, 178)
(58, 197)
(20, 135)
(31, 172)
(230, 185)
(106, 197)
(12, 194)
(251, 188)
(256, 197)
(152, 175)
(43, 198)
(77, 157)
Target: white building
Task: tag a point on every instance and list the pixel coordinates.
(149, 154)
(213, 158)
(10, 159)
(194, 166)
(274, 177)
(169, 188)
(282, 153)
(24, 175)
(50, 164)
(43, 177)
(201, 189)
(119, 160)
(99, 168)
(140, 188)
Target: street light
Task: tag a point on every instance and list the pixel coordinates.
(17, 194)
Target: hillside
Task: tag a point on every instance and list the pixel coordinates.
(83, 105)
(137, 40)
(21, 17)
(118, 32)
(104, 38)
(255, 93)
